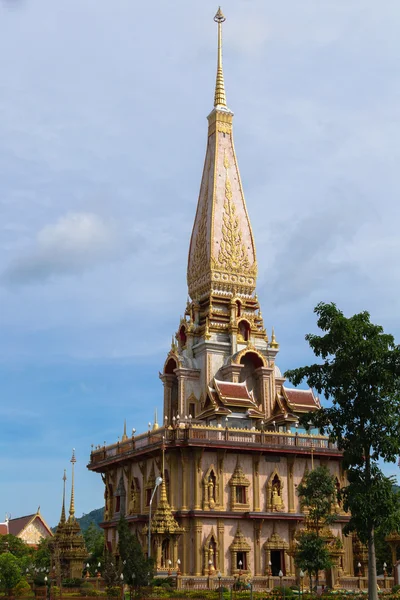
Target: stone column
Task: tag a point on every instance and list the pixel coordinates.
(197, 479)
(257, 550)
(256, 484)
(290, 480)
(184, 471)
(185, 562)
(198, 530)
(221, 498)
(220, 534)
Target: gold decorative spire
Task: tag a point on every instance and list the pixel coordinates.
(62, 519)
(72, 504)
(219, 97)
(163, 495)
(163, 521)
(274, 343)
(124, 436)
(155, 425)
(222, 255)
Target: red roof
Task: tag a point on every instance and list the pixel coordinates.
(3, 529)
(302, 398)
(15, 526)
(228, 389)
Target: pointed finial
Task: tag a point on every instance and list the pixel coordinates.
(62, 518)
(163, 494)
(72, 504)
(124, 436)
(155, 426)
(274, 343)
(219, 97)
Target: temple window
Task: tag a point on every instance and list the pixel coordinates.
(239, 489)
(240, 494)
(182, 337)
(244, 331)
(148, 496)
(192, 409)
(117, 504)
(239, 550)
(238, 308)
(241, 561)
(251, 361)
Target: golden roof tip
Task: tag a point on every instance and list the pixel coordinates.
(124, 436)
(219, 96)
(72, 503)
(62, 519)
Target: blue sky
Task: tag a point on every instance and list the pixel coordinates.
(102, 136)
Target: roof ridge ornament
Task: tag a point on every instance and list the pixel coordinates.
(219, 96)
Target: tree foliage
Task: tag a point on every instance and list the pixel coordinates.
(312, 554)
(94, 541)
(136, 567)
(13, 544)
(317, 493)
(10, 571)
(359, 372)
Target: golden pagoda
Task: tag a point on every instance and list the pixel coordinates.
(229, 449)
(67, 547)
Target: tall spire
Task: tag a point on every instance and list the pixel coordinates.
(222, 255)
(219, 97)
(62, 519)
(72, 504)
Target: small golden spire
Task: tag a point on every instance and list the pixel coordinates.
(124, 436)
(72, 504)
(274, 343)
(155, 426)
(62, 519)
(219, 97)
(163, 495)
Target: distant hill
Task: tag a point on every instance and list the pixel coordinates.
(95, 516)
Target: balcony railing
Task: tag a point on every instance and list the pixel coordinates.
(206, 436)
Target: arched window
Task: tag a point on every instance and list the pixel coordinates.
(244, 330)
(172, 386)
(251, 362)
(182, 337)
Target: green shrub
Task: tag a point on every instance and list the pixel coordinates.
(87, 589)
(23, 589)
(71, 583)
(395, 589)
(113, 591)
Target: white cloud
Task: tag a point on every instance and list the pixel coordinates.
(75, 243)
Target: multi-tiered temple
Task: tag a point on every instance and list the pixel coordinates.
(229, 448)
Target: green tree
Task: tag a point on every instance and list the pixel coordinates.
(136, 567)
(10, 571)
(13, 544)
(110, 571)
(317, 493)
(41, 556)
(312, 554)
(94, 540)
(359, 372)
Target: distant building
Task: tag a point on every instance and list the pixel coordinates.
(31, 529)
